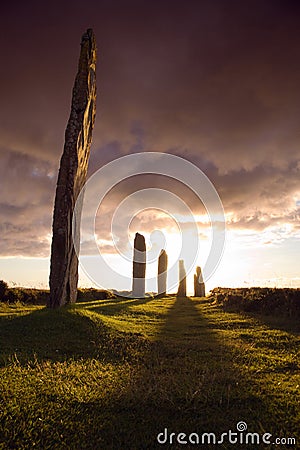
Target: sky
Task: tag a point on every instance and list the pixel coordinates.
(215, 82)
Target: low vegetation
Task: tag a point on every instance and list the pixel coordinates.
(113, 373)
(270, 301)
(13, 295)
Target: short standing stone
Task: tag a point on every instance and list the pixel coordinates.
(182, 280)
(139, 266)
(162, 273)
(72, 177)
(199, 286)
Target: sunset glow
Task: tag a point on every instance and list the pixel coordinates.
(223, 97)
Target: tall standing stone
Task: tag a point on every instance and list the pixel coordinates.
(72, 176)
(199, 285)
(182, 280)
(162, 273)
(139, 266)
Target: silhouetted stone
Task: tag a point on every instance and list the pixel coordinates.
(162, 273)
(182, 280)
(199, 286)
(72, 177)
(139, 266)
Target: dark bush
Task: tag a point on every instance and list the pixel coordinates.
(26, 296)
(40, 297)
(272, 301)
(3, 289)
(93, 294)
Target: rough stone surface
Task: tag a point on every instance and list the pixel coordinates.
(199, 286)
(72, 176)
(182, 280)
(139, 266)
(162, 273)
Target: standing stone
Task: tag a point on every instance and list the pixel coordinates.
(72, 177)
(162, 273)
(199, 286)
(139, 266)
(182, 280)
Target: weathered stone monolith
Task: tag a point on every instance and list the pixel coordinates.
(182, 280)
(162, 273)
(139, 266)
(199, 285)
(72, 176)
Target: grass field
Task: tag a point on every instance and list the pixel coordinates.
(112, 374)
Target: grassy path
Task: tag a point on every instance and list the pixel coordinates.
(112, 374)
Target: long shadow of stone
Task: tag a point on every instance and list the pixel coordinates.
(189, 383)
(116, 306)
(277, 322)
(186, 382)
(45, 334)
(57, 335)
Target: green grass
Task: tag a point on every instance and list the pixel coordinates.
(112, 374)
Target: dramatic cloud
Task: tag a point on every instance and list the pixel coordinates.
(214, 82)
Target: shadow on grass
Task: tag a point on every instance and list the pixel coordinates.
(116, 306)
(275, 321)
(62, 334)
(187, 380)
(46, 335)
(278, 322)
